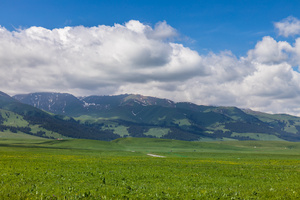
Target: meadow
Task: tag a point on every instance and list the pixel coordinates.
(121, 169)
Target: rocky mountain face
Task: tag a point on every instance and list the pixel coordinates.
(58, 103)
(67, 104)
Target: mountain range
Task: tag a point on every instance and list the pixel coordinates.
(62, 115)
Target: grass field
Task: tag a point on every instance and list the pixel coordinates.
(121, 169)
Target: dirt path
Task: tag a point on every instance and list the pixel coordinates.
(153, 155)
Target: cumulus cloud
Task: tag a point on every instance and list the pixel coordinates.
(163, 31)
(269, 51)
(289, 26)
(91, 58)
(138, 58)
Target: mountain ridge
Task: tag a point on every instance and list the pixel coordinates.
(136, 115)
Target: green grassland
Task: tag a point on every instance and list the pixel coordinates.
(157, 132)
(12, 119)
(121, 169)
(19, 135)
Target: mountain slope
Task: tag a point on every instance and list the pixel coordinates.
(18, 117)
(58, 103)
(142, 116)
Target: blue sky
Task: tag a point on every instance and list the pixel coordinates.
(243, 53)
(215, 25)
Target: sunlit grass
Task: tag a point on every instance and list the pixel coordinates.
(79, 169)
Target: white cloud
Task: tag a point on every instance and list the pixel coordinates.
(269, 51)
(76, 58)
(289, 26)
(164, 31)
(136, 58)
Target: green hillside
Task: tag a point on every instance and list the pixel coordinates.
(193, 122)
(132, 115)
(19, 118)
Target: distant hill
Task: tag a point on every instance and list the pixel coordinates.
(20, 118)
(131, 115)
(57, 103)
